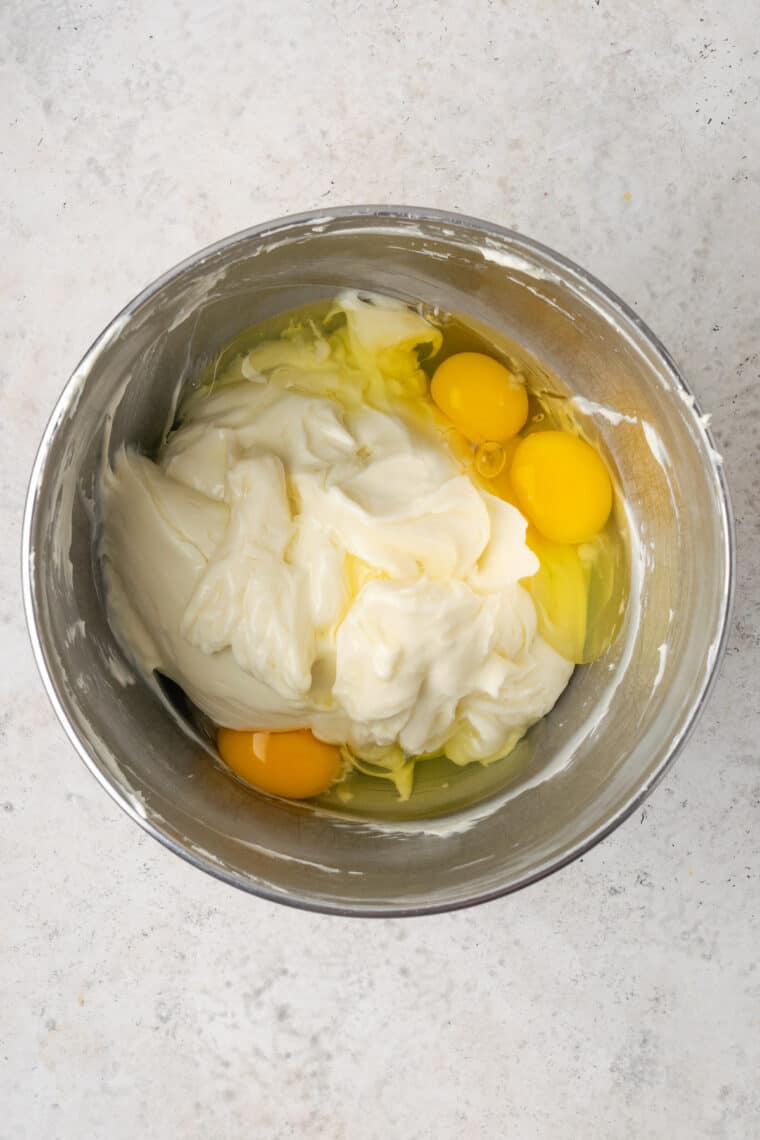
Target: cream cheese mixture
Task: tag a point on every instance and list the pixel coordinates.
(299, 558)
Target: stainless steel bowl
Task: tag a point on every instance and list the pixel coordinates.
(622, 720)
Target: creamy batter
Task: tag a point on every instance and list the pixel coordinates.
(294, 559)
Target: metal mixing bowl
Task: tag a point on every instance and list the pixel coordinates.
(621, 721)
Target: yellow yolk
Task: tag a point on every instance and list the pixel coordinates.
(561, 485)
(481, 397)
(291, 764)
(560, 594)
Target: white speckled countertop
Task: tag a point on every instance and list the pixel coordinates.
(618, 1000)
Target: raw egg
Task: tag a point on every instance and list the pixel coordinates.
(291, 764)
(482, 398)
(561, 486)
(560, 594)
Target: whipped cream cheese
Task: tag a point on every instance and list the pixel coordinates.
(296, 557)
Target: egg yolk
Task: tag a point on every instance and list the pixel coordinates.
(559, 590)
(291, 764)
(481, 397)
(561, 485)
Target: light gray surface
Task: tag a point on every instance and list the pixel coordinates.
(618, 999)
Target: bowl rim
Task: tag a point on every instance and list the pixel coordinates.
(369, 214)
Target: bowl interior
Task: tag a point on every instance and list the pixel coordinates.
(610, 736)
